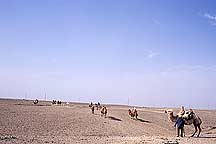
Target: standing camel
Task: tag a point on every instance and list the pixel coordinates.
(189, 117)
(133, 113)
(35, 101)
(104, 111)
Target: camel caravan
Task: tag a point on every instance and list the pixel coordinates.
(103, 109)
(188, 118)
(181, 119)
(36, 101)
(56, 102)
(97, 105)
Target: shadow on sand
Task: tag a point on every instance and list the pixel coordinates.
(114, 118)
(97, 114)
(210, 137)
(209, 134)
(141, 120)
(212, 128)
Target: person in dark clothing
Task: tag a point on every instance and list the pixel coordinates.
(180, 126)
(92, 109)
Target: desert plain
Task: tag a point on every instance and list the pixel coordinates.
(22, 122)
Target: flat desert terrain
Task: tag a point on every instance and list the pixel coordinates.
(23, 122)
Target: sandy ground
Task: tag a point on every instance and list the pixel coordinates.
(23, 122)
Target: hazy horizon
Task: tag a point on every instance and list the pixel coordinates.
(150, 53)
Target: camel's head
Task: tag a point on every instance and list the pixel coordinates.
(170, 115)
(169, 111)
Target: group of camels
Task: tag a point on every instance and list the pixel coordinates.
(56, 102)
(102, 109)
(36, 101)
(189, 116)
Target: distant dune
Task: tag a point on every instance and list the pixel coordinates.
(23, 122)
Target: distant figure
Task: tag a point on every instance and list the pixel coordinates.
(99, 106)
(58, 102)
(96, 105)
(91, 104)
(35, 101)
(54, 102)
(104, 111)
(179, 124)
(92, 109)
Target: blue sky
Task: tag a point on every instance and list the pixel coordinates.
(147, 52)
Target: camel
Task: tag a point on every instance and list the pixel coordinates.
(91, 104)
(54, 102)
(59, 102)
(104, 111)
(35, 101)
(92, 109)
(98, 106)
(133, 113)
(189, 117)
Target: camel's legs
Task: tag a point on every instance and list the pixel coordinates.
(195, 130)
(199, 130)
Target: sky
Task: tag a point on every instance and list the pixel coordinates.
(143, 52)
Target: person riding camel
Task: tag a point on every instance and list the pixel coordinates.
(182, 111)
(191, 110)
(191, 113)
(134, 109)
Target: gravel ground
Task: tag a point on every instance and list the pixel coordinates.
(23, 122)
